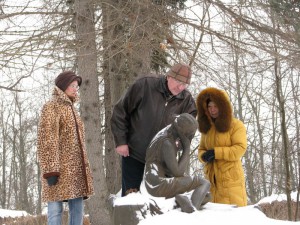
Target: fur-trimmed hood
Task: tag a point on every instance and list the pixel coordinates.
(221, 99)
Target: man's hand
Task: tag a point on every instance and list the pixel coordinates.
(123, 150)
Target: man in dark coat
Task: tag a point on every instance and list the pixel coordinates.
(149, 105)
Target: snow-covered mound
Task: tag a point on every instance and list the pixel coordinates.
(149, 210)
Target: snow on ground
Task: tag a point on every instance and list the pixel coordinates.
(280, 197)
(12, 213)
(211, 214)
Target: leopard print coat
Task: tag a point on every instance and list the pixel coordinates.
(61, 153)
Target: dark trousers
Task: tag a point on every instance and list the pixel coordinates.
(132, 174)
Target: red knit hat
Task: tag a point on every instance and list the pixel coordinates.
(181, 72)
(63, 80)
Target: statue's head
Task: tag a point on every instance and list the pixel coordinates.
(187, 124)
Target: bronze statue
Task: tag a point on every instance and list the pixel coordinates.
(165, 172)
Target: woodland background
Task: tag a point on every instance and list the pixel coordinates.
(250, 48)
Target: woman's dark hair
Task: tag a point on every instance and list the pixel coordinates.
(208, 101)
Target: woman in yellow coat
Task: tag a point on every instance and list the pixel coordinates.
(223, 143)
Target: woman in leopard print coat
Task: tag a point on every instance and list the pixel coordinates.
(66, 174)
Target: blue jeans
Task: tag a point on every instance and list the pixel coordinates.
(55, 210)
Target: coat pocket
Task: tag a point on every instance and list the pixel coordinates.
(230, 175)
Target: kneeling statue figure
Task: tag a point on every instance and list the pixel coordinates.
(167, 159)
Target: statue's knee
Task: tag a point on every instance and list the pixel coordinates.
(207, 183)
(204, 182)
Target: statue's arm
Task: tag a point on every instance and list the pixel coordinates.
(176, 168)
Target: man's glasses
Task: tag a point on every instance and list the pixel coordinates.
(180, 83)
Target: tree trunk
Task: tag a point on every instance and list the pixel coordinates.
(284, 137)
(296, 113)
(112, 73)
(3, 178)
(90, 108)
(127, 52)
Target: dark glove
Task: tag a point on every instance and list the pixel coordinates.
(208, 156)
(52, 180)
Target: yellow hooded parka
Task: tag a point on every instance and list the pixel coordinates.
(227, 136)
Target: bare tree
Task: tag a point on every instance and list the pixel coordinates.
(3, 163)
(132, 36)
(90, 107)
